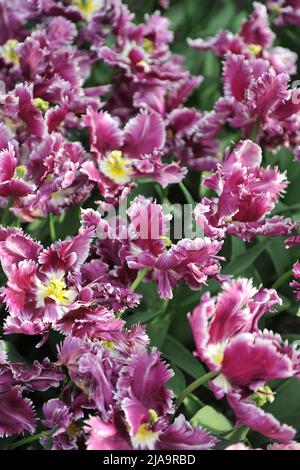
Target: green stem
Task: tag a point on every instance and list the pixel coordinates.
(272, 16)
(193, 386)
(285, 277)
(139, 278)
(6, 212)
(254, 131)
(27, 440)
(187, 195)
(52, 227)
(160, 192)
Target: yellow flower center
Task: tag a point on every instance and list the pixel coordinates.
(8, 51)
(170, 134)
(20, 171)
(108, 344)
(54, 288)
(144, 434)
(144, 64)
(145, 437)
(148, 45)
(87, 7)
(116, 167)
(216, 353)
(73, 429)
(153, 416)
(263, 396)
(276, 9)
(57, 290)
(255, 49)
(41, 104)
(58, 197)
(167, 241)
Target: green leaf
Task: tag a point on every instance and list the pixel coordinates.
(238, 247)
(219, 20)
(281, 261)
(151, 305)
(287, 399)
(5, 442)
(177, 383)
(192, 405)
(189, 198)
(243, 261)
(69, 224)
(157, 331)
(285, 407)
(292, 337)
(212, 420)
(238, 434)
(12, 354)
(286, 304)
(179, 355)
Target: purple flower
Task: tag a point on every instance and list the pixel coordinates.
(37, 377)
(19, 107)
(13, 17)
(41, 286)
(99, 323)
(246, 194)
(216, 321)
(95, 366)
(143, 50)
(143, 408)
(55, 169)
(146, 389)
(16, 413)
(149, 76)
(261, 102)
(64, 425)
(287, 11)
(254, 39)
(107, 436)
(11, 184)
(296, 284)
(191, 260)
(229, 342)
(248, 414)
(182, 436)
(292, 241)
(290, 446)
(122, 156)
(178, 436)
(191, 136)
(194, 261)
(145, 245)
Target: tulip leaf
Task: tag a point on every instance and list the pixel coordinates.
(286, 407)
(212, 420)
(244, 260)
(192, 405)
(179, 355)
(177, 383)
